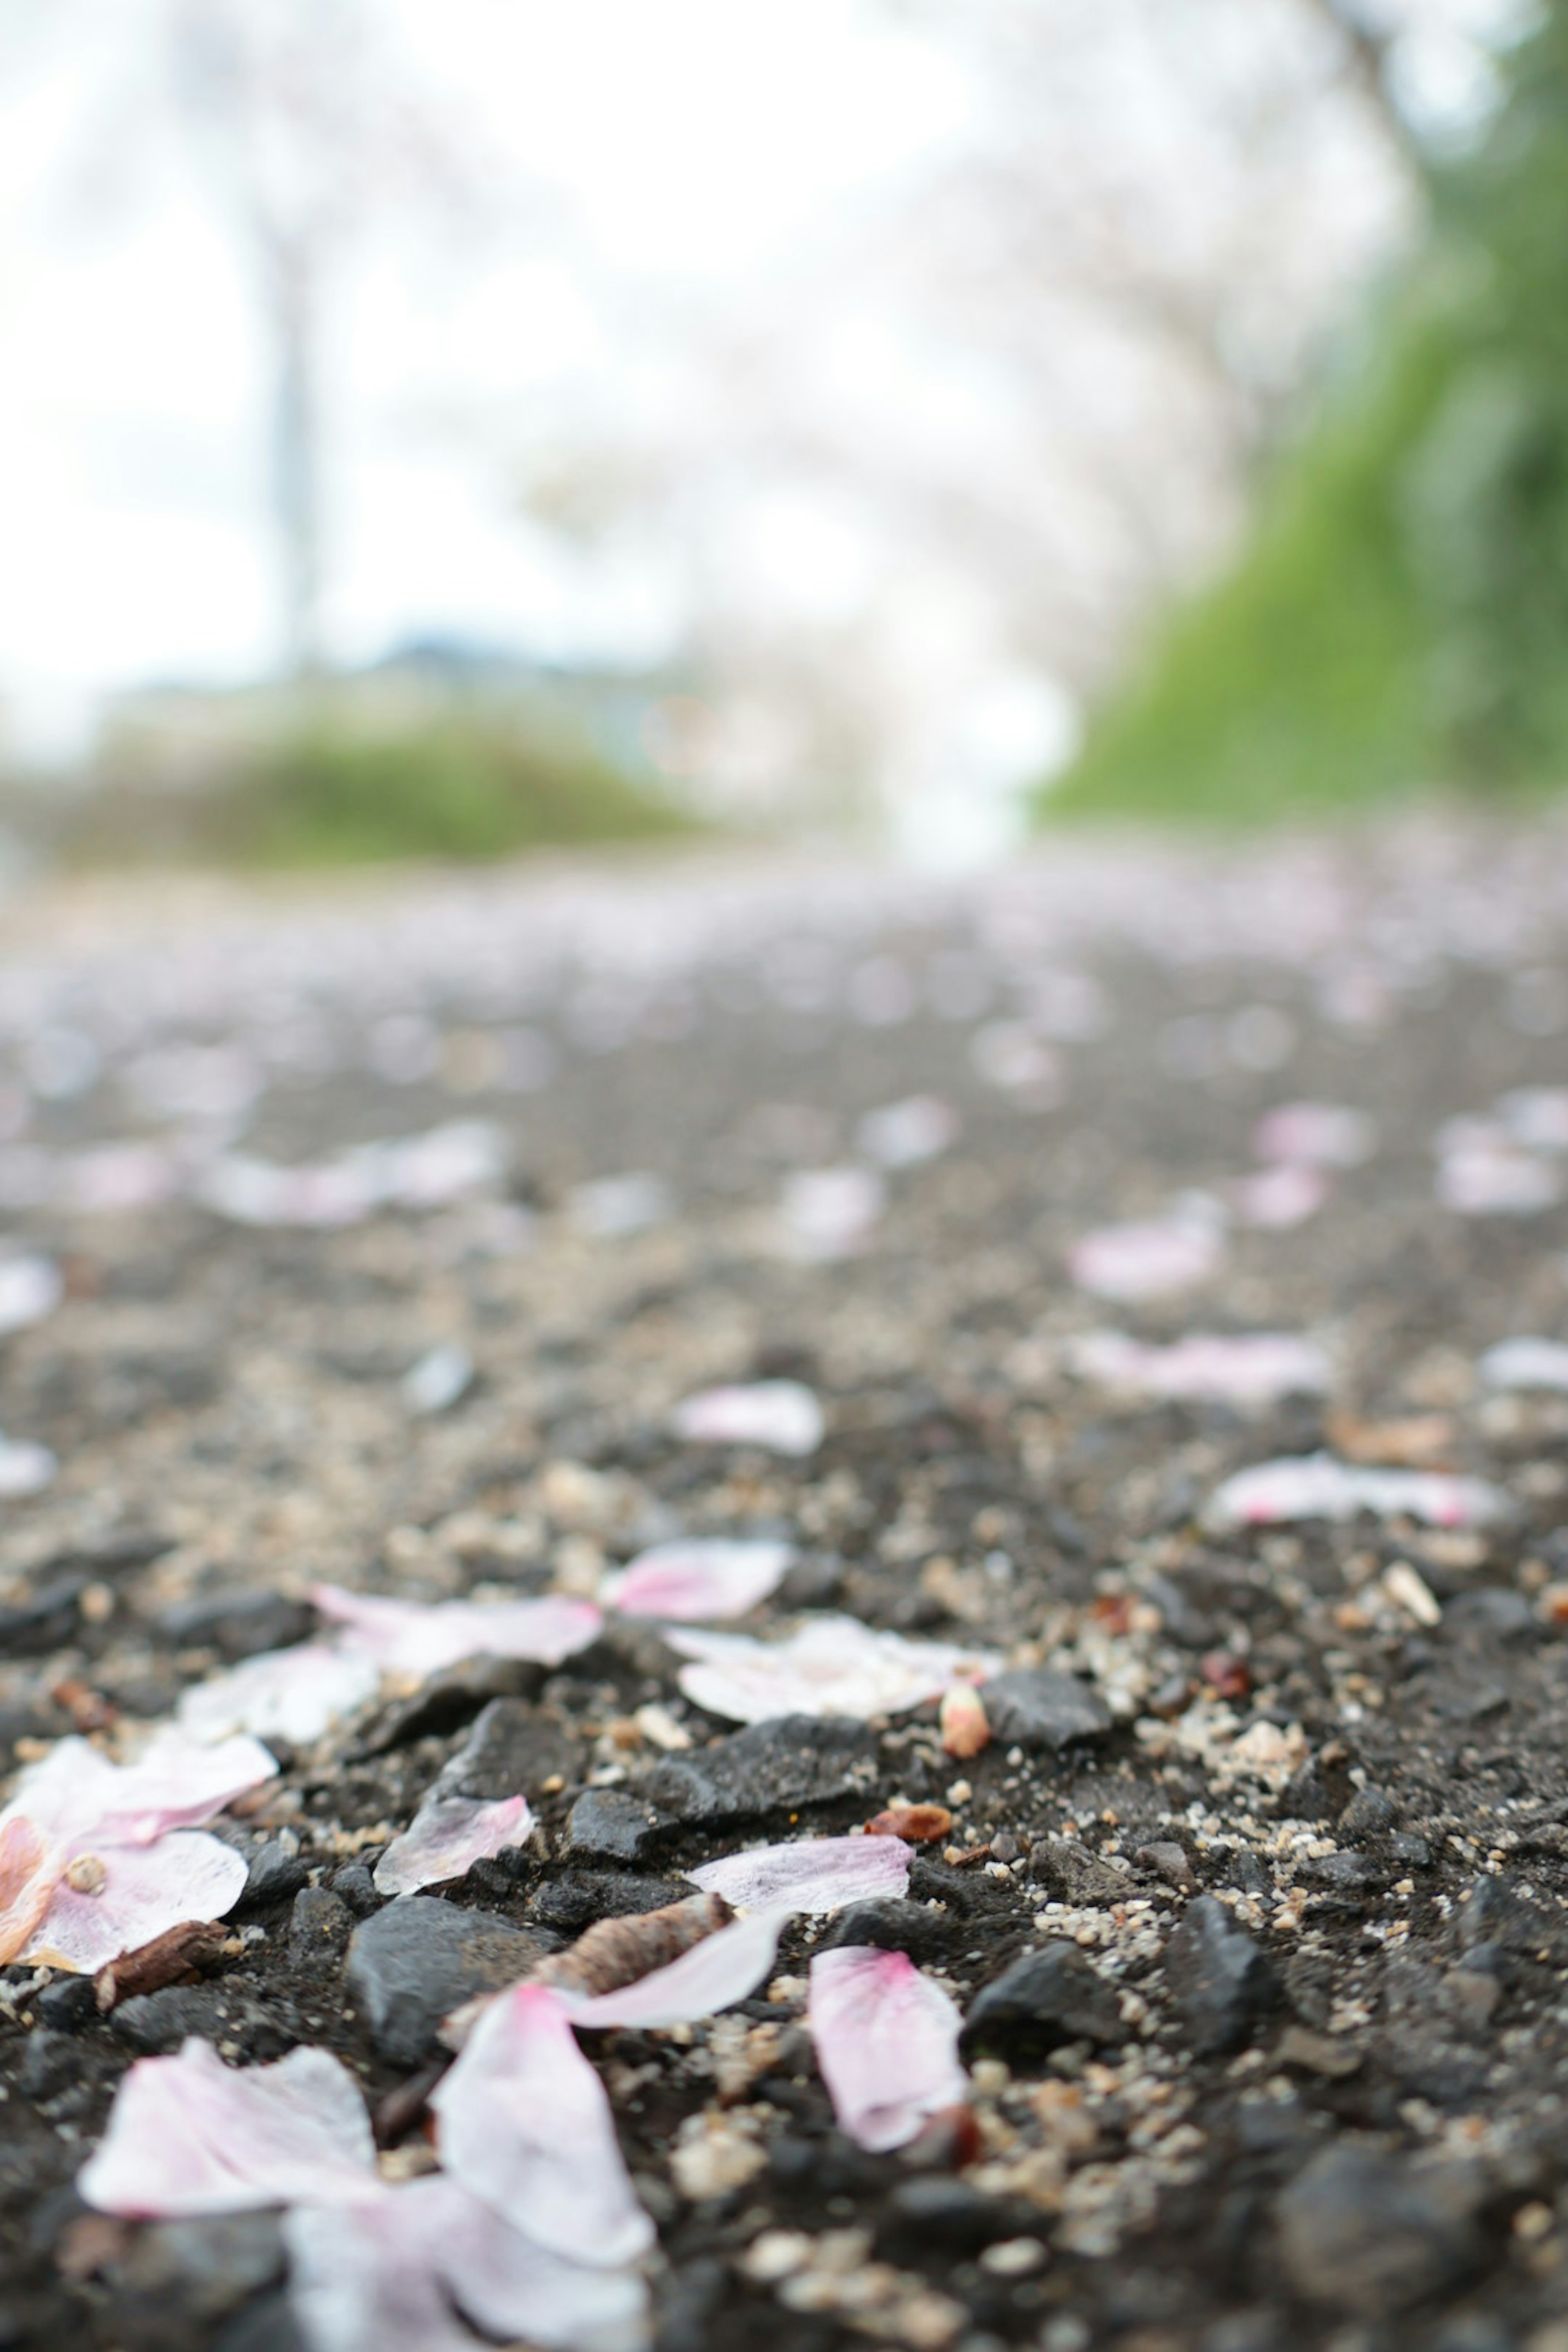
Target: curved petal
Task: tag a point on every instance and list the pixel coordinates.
(146, 1890)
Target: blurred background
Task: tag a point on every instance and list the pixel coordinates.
(438, 430)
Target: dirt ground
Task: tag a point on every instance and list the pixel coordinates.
(1312, 1844)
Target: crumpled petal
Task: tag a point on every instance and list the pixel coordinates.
(1249, 1368)
(887, 2043)
(815, 1874)
(1319, 1487)
(446, 1835)
(382, 2274)
(831, 1665)
(30, 1863)
(783, 1416)
(416, 1637)
(294, 1694)
(1526, 1364)
(525, 2124)
(188, 2135)
(176, 1782)
(724, 1967)
(708, 1577)
(146, 1890)
(1147, 1258)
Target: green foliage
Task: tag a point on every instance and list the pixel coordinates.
(1400, 617)
(467, 788)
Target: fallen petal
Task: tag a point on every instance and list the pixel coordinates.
(294, 1694)
(887, 2044)
(783, 1416)
(176, 1782)
(616, 1952)
(30, 1864)
(697, 1579)
(1315, 1135)
(1252, 1368)
(1146, 1259)
(525, 2124)
(146, 1891)
(188, 2135)
(413, 1637)
(904, 1134)
(1277, 1198)
(1526, 1364)
(31, 1288)
(813, 1874)
(446, 1837)
(720, 1970)
(831, 1665)
(1317, 1487)
(24, 1469)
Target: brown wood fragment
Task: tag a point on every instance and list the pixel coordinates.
(916, 1824)
(616, 1952)
(173, 1958)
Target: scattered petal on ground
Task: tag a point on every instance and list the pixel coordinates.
(707, 1577)
(611, 1207)
(1486, 1180)
(294, 1694)
(1318, 1486)
(1526, 1364)
(30, 1864)
(831, 1665)
(1147, 1258)
(887, 2043)
(831, 1212)
(24, 1469)
(446, 1837)
(525, 2124)
(437, 1380)
(414, 1637)
(783, 1416)
(721, 1968)
(1277, 1198)
(815, 1874)
(1315, 1135)
(145, 1890)
(616, 1952)
(176, 1782)
(1537, 1118)
(31, 1288)
(904, 1134)
(1253, 1368)
(190, 2136)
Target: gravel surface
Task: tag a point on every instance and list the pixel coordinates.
(1256, 1903)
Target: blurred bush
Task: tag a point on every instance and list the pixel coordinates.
(1400, 617)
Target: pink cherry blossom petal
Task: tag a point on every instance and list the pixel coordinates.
(1526, 1364)
(446, 1837)
(1315, 1135)
(1146, 1259)
(1319, 1486)
(887, 2043)
(383, 2273)
(30, 1863)
(188, 2135)
(831, 1665)
(416, 1637)
(707, 1577)
(813, 1874)
(524, 2124)
(783, 1416)
(905, 1134)
(146, 1890)
(1251, 1368)
(1279, 1198)
(722, 1969)
(294, 1694)
(176, 1782)
(1487, 1181)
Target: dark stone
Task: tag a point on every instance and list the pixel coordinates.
(1045, 1999)
(512, 1749)
(275, 1875)
(46, 1620)
(1494, 1611)
(1344, 1874)
(936, 2213)
(354, 1886)
(266, 2326)
(1249, 1872)
(1410, 1849)
(206, 2267)
(238, 1623)
(1077, 1876)
(320, 1924)
(785, 1766)
(571, 1904)
(50, 2062)
(1308, 1796)
(1168, 1861)
(927, 1937)
(1034, 1707)
(162, 2020)
(65, 2004)
(1370, 1814)
(449, 1700)
(1373, 2233)
(419, 1958)
(1221, 1983)
(611, 1825)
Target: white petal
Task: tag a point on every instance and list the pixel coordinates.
(813, 1874)
(1252, 1368)
(783, 1416)
(446, 1835)
(294, 1694)
(1315, 1135)
(417, 1637)
(705, 1578)
(176, 1782)
(1145, 1260)
(146, 1890)
(189, 2136)
(525, 2124)
(1526, 1364)
(832, 1665)
(722, 1969)
(887, 2043)
(1318, 1486)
